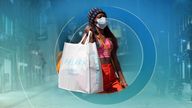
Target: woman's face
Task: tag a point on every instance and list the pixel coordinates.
(99, 16)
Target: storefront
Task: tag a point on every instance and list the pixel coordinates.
(6, 64)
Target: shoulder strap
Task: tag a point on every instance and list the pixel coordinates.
(113, 64)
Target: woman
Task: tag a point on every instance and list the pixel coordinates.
(107, 48)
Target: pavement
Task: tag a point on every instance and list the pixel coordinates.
(50, 96)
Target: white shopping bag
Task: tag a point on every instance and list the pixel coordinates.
(80, 68)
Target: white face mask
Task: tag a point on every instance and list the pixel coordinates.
(101, 22)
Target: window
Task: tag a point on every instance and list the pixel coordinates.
(6, 27)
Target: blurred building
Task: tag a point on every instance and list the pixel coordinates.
(27, 36)
(185, 43)
(182, 47)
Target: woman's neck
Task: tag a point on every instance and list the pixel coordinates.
(100, 31)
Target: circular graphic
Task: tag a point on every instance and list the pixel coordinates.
(148, 62)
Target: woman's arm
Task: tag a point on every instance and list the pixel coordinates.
(118, 68)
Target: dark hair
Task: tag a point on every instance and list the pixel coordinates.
(107, 32)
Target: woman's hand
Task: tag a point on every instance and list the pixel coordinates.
(88, 28)
(122, 79)
(86, 31)
(123, 83)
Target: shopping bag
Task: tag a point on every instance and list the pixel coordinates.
(80, 68)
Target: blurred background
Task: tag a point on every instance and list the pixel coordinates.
(29, 30)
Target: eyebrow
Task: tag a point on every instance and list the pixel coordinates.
(101, 15)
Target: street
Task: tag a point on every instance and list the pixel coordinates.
(54, 97)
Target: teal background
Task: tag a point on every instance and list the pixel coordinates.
(33, 32)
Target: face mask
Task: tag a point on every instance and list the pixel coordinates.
(101, 22)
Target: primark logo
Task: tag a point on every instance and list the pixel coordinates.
(74, 61)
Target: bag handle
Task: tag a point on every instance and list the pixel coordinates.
(83, 38)
(87, 39)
